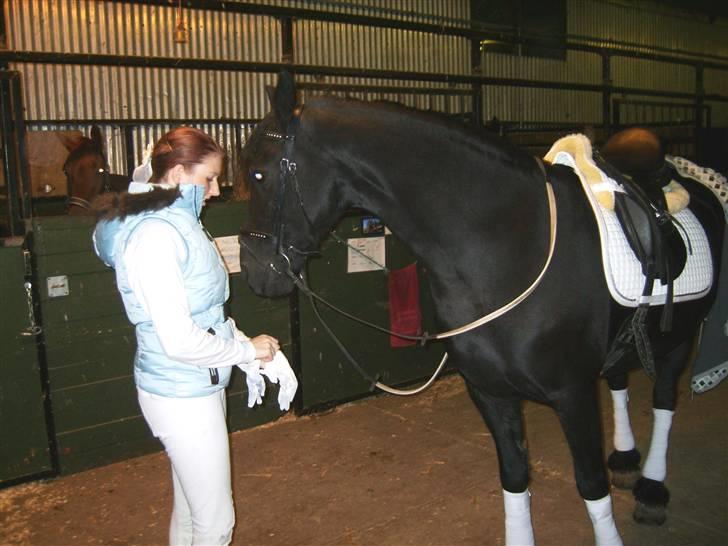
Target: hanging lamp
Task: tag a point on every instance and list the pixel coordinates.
(180, 31)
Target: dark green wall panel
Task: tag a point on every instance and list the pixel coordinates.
(73, 308)
(87, 331)
(62, 234)
(24, 449)
(86, 284)
(94, 404)
(90, 344)
(71, 263)
(111, 442)
(327, 376)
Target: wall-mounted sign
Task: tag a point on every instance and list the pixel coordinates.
(57, 286)
(365, 254)
(229, 249)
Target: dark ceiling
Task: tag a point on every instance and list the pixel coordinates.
(711, 8)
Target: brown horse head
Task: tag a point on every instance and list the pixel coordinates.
(87, 172)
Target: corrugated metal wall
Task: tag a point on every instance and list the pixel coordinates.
(600, 22)
(452, 12)
(641, 24)
(512, 104)
(322, 43)
(62, 92)
(70, 26)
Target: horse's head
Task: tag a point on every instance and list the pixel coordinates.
(284, 180)
(86, 171)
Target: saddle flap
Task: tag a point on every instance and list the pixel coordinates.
(648, 227)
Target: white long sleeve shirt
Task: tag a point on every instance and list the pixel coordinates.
(153, 258)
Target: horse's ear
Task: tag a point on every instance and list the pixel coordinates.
(97, 137)
(284, 99)
(270, 92)
(70, 141)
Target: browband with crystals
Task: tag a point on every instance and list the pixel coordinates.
(278, 136)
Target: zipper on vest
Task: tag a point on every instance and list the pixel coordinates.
(214, 376)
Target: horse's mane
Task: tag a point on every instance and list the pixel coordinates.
(390, 112)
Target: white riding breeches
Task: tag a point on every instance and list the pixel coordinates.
(195, 437)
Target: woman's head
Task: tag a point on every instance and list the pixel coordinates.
(187, 156)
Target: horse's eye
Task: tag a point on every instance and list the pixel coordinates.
(256, 175)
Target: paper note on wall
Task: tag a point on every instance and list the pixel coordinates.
(365, 254)
(229, 249)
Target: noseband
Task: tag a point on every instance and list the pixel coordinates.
(286, 177)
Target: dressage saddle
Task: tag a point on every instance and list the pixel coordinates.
(650, 230)
(652, 234)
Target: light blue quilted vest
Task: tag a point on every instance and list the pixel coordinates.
(206, 284)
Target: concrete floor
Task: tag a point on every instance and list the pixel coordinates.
(390, 471)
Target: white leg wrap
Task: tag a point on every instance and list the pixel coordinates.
(655, 467)
(519, 531)
(605, 530)
(623, 437)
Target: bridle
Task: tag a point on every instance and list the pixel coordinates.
(287, 177)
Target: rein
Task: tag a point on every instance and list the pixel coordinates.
(288, 173)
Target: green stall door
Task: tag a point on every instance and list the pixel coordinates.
(24, 450)
(326, 376)
(253, 315)
(90, 344)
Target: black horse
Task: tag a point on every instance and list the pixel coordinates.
(87, 173)
(476, 212)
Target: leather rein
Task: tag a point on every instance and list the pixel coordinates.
(287, 176)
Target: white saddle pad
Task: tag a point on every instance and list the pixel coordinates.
(623, 271)
(713, 180)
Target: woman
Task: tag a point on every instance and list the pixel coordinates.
(174, 284)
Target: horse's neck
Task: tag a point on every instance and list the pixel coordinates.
(461, 218)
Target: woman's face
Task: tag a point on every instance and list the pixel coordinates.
(205, 174)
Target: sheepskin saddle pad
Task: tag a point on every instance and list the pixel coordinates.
(623, 271)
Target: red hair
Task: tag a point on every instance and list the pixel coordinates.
(184, 146)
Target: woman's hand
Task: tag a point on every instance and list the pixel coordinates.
(265, 347)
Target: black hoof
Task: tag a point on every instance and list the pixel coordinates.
(625, 468)
(652, 498)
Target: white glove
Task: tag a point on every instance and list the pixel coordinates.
(255, 381)
(279, 371)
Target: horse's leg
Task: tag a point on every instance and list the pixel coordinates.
(505, 421)
(650, 492)
(624, 461)
(578, 411)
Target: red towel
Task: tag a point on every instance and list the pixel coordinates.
(405, 316)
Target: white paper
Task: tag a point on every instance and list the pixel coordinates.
(229, 249)
(360, 248)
